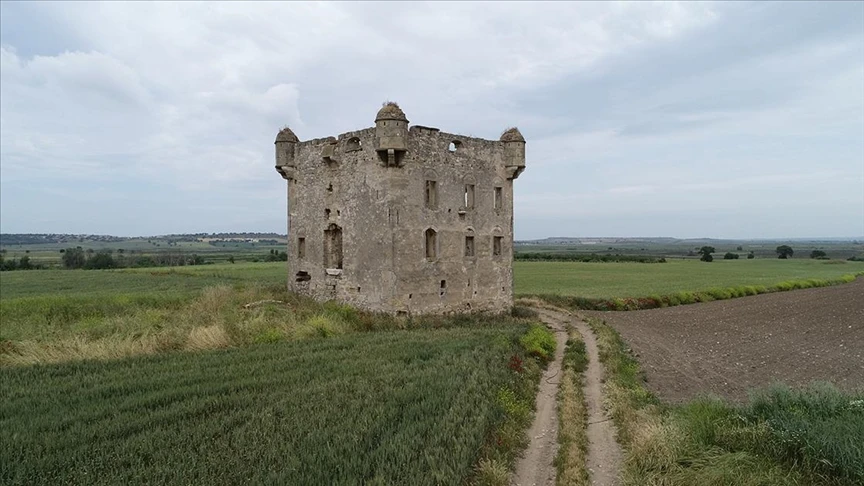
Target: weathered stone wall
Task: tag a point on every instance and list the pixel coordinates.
(343, 192)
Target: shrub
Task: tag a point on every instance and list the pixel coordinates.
(730, 256)
(818, 254)
(539, 342)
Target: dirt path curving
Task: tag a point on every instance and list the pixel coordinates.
(536, 467)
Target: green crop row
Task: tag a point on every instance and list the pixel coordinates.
(428, 406)
(688, 297)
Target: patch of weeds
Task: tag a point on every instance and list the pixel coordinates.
(539, 341)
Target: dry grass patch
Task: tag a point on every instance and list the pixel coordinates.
(572, 415)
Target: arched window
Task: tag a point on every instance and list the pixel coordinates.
(454, 146)
(353, 144)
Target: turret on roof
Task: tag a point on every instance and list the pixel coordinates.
(286, 135)
(390, 111)
(512, 135)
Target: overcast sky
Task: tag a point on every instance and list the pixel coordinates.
(727, 120)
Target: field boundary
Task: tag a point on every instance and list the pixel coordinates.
(686, 297)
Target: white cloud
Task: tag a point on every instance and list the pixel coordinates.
(190, 95)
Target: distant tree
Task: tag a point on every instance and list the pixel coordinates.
(231, 259)
(730, 256)
(740, 248)
(101, 260)
(62, 250)
(818, 254)
(74, 258)
(24, 263)
(750, 255)
(784, 251)
(706, 252)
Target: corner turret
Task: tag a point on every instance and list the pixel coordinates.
(286, 140)
(391, 132)
(514, 152)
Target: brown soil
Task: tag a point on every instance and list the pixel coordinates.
(728, 347)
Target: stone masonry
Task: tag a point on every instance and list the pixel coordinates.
(402, 220)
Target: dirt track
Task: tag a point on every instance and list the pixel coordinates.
(728, 347)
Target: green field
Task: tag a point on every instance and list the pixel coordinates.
(610, 280)
(185, 281)
(390, 407)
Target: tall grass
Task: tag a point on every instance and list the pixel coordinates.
(54, 329)
(783, 436)
(687, 297)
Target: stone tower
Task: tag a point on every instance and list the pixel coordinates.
(402, 220)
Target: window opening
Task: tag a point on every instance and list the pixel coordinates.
(353, 144)
(431, 194)
(333, 247)
(496, 245)
(327, 213)
(443, 289)
(454, 146)
(469, 196)
(498, 195)
(301, 247)
(469, 246)
(431, 244)
(329, 187)
(303, 277)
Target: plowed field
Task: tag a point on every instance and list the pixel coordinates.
(727, 347)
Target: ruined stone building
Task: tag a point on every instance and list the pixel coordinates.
(402, 220)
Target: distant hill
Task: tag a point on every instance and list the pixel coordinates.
(47, 238)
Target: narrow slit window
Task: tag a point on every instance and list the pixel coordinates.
(431, 244)
(431, 194)
(443, 288)
(498, 195)
(301, 247)
(496, 245)
(469, 196)
(469, 246)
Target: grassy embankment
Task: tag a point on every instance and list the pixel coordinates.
(630, 286)
(781, 437)
(572, 416)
